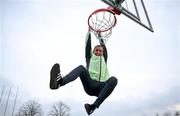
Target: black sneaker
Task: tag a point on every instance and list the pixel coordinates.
(89, 108)
(55, 76)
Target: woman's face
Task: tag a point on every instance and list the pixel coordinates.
(98, 51)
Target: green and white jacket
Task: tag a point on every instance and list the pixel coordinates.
(96, 65)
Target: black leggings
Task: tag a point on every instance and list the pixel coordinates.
(92, 87)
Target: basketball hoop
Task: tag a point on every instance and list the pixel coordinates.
(101, 22)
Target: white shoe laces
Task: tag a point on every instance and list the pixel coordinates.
(59, 77)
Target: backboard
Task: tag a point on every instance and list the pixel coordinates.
(133, 9)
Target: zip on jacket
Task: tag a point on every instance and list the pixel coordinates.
(100, 69)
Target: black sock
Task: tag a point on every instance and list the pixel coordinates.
(93, 107)
(60, 82)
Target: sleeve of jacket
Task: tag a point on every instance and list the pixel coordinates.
(105, 54)
(88, 48)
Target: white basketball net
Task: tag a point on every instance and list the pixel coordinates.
(102, 23)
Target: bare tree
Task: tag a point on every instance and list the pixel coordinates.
(167, 114)
(177, 113)
(60, 109)
(30, 108)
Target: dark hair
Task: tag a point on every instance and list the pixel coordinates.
(97, 46)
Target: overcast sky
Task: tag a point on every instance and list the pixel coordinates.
(35, 34)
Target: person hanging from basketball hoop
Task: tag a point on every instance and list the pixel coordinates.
(95, 77)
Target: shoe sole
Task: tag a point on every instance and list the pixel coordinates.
(86, 108)
(53, 76)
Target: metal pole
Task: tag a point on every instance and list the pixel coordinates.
(126, 5)
(135, 6)
(129, 14)
(7, 101)
(149, 22)
(15, 101)
(2, 93)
